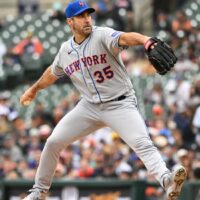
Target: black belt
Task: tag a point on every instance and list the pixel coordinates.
(119, 98)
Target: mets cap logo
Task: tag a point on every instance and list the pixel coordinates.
(81, 3)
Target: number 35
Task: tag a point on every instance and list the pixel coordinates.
(105, 73)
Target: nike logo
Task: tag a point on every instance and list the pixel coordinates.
(69, 52)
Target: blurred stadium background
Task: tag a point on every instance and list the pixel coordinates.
(100, 165)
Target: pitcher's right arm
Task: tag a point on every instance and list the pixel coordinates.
(47, 79)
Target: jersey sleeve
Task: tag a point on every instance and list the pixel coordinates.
(56, 69)
(110, 38)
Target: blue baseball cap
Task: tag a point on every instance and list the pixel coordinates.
(77, 7)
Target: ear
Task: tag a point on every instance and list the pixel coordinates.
(68, 21)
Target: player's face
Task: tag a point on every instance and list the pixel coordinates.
(81, 24)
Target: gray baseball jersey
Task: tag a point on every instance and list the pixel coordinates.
(96, 69)
(95, 66)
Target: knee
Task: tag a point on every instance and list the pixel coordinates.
(53, 143)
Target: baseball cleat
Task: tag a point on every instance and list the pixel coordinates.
(36, 194)
(173, 182)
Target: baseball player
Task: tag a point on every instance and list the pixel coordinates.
(91, 58)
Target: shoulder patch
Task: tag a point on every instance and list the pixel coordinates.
(114, 34)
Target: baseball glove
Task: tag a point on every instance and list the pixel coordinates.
(160, 55)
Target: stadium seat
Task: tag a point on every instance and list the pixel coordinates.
(2, 78)
(14, 75)
(32, 65)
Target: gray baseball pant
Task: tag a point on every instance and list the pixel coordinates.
(122, 116)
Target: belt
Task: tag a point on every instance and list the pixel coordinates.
(119, 98)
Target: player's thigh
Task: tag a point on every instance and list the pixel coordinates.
(79, 122)
(126, 120)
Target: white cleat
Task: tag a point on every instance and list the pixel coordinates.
(173, 182)
(36, 194)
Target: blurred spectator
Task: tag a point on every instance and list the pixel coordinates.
(7, 113)
(34, 140)
(18, 126)
(57, 12)
(183, 158)
(109, 171)
(123, 12)
(196, 120)
(37, 120)
(107, 196)
(123, 170)
(180, 22)
(157, 110)
(44, 131)
(186, 61)
(168, 153)
(23, 143)
(168, 7)
(60, 171)
(30, 6)
(2, 23)
(195, 88)
(183, 120)
(196, 126)
(47, 116)
(155, 94)
(160, 6)
(33, 158)
(178, 138)
(153, 193)
(163, 22)
(58, 113)
(10, 59)
(22, 166)
(98, 162)
(84, 171)
(196, 175)
(182, 87)
(104, 9)
(3, 50)
(30, 45)
(70, 159)
(29, 174)
(10, 148)
(12, 176)
(196, 167)
(1, 167)
(8, 165)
